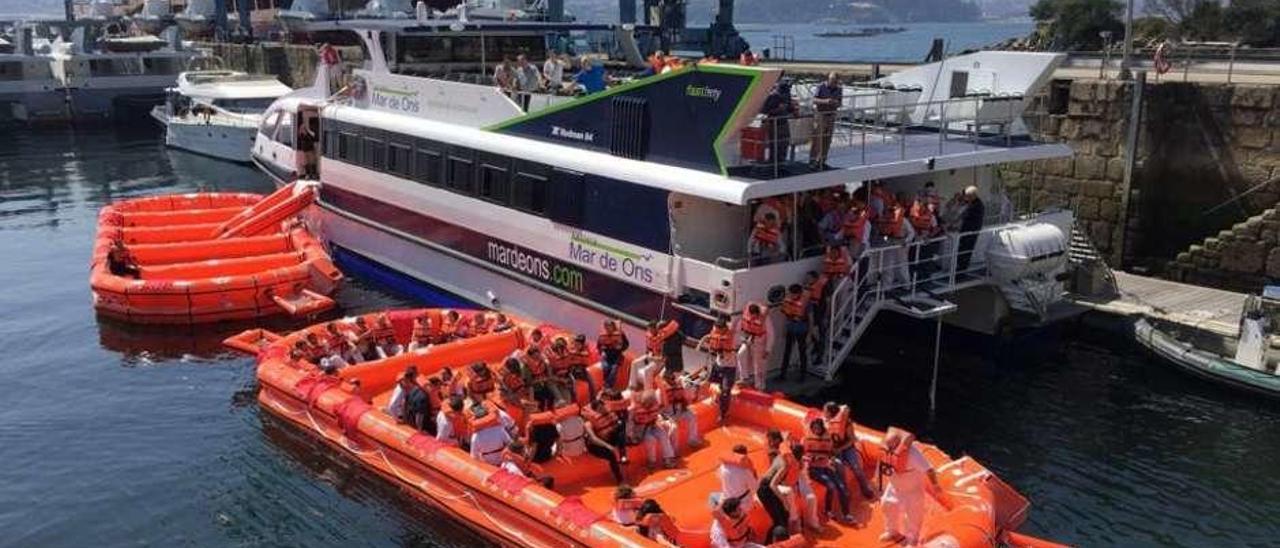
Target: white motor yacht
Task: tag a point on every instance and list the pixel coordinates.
(217, 112)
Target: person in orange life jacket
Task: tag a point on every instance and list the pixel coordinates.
(818, 446)
(729, 526)
(676, 397)
(738, 477)
(816, 288)
(572, 429)
(911, 481)
(626, 506)
(845, 445)
(388, 347)
(880, 200)
(611, 343)
(777, 487)
(656, 525)
(722, 346)
(423, 334)
(757, 336)
(541, 433)
(488, 436)
(895, 232)
(645, 415)
(449, 325)
(480, 382)
(765, 244)
(501, 323)
(579, 360)
(782, 538)
(515, 460)
(120, 262)
(605, 437)
(452, 384)
(451, 422)
(620, 405)
(924, 221)
(538, 339)
(795, 307)
(512, 388)
(857, 230)
(537, 375)
(664, 343)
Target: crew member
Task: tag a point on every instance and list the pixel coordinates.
(771, 498)
(738, 477)
(721, 345)
(778, 109)
(972, 213)
(911, 481)
(611, 344)
(757, 335)
(826, 101)
(541, 434)
(795, 307)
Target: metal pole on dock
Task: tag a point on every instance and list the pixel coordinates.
(1125, 61)
(1138, 88)
(937, 356)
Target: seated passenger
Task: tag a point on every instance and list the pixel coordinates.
(537, 340)
(541, 435)
(451, 384)
(579, 359)
(844, 443)
(479, 324)
(604, 437)
(388, 347)
(648, 431)
(729, 527)
(358, 330)
(625, 505)
(315, 348)
(120, 262)
(537, 375)
(480, 382)
(419, 408)
(512, 389)
(656, 525)
(489, 438)
(738, 477)
(818, 446)
(449, 326)
(572, 431)
(610, 344)
(451, 422)
(501, 323)
(677, 393)
(515, 460)
(422, 337)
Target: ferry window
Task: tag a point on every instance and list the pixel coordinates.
(11, 70)
(427, 166)
(375, 154)
(347, 145)
(284, 133)
(245, 106)
(494, 184)
(102, 67)
(459, 176)
(398, 159)
(160, 65)
(529, 193)
(268, 126)
(565, 203)
(425, 49)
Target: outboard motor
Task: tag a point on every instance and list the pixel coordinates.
(1028, 262)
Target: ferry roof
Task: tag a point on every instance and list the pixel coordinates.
(230, 85)
(409, 26)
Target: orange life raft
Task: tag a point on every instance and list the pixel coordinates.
(208, 257)
(345, 410)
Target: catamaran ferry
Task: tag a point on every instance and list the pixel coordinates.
(641, 202)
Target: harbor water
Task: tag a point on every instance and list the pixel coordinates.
(118, 435)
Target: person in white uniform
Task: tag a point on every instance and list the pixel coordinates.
(738, 477)
(910, 485)
(488, 442)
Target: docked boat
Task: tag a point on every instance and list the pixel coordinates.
(154, 18)
(346, 409)
(217, 112)
(29, 90)
(1253, 376)
(208, 257)
(639, 202)
(197, 19)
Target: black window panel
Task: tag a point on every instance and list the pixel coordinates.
(959, 83)
(629, 127)
(375, 153)
(529, 192)
(460, 170)
(495, 184)
(565, 205)
(349, 147)
(399, 159)
(427, 166)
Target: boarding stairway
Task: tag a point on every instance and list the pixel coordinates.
(910, 279)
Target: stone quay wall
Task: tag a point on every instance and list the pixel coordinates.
(1207, 164)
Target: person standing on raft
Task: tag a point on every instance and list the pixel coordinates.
(911, 481)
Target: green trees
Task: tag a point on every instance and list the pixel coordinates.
(1254, 22)
(1076, 24)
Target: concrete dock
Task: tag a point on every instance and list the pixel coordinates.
(1192, 306)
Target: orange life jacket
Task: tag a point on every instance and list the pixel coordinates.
(819, 450)
(815, 290)
(836, 266)
(675, 394)
(561, 361)
(521, 461)
(513, 382)
(644, 415)
(736, 530)
(448, 328)
(490, 419)
(478, 385)
(890, 224)
(656, 338)
(618, 406)
(885, 196)
(753, 324)
(656, 524)
(791, 472)
(579, 357)
(423, 330)
(794, 306)
(766, 233)
(542, 418)
(855, 225)
(458, 420)
(839, 429)
(720, 340)
(479, 326)
(537, 366)
(921, 218)
(603, 424)
(609, 341)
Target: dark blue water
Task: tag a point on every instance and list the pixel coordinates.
(910, 45)
(113, 435)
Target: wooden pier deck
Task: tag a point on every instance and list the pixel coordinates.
(1204, 308)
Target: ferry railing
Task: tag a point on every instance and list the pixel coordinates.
(875, 123)
(895, 270)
